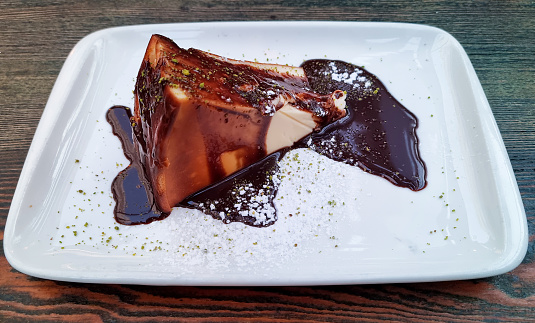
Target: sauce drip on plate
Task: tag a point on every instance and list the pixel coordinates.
(378, 135)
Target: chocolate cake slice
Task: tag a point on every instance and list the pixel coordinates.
(199, 117)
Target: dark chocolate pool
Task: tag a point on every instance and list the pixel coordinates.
(378, 135)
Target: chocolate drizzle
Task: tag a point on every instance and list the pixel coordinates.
(230, 199)
(378, 135)
(199, 118)
(134, 200)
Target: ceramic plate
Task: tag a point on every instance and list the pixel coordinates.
(468, 222)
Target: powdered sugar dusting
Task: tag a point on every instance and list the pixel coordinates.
(312, 202)
(252, 202)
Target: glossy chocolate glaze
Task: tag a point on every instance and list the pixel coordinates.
(211, 78)
(134, 200)
(223, 200)
(378, 135)
(210, 115)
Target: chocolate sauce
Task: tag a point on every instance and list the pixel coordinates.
(134, 200)
(378, 135)
(230, 200)
(210, 115)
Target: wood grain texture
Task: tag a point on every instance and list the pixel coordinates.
(36, 37)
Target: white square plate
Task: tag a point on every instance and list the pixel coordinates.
(469, 221)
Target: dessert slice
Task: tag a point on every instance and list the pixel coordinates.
(199, 117)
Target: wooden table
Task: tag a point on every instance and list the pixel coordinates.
(35, 38)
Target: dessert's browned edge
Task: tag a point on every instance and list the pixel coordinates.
(37, 37)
